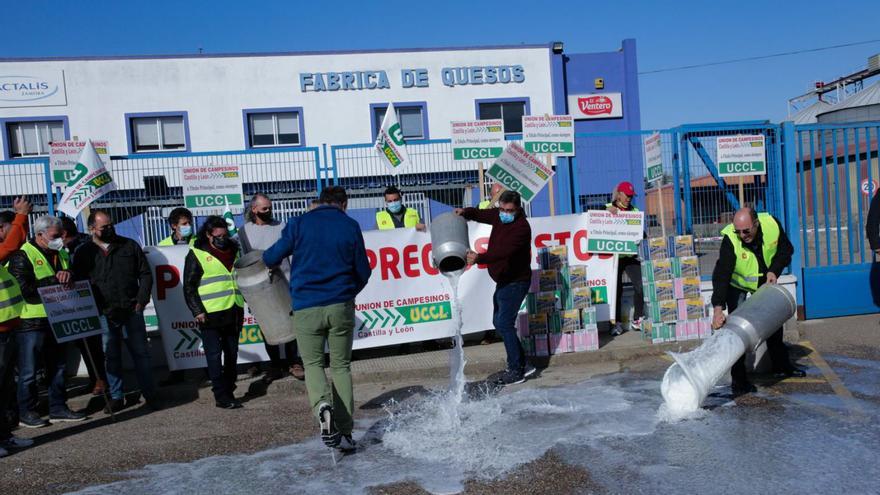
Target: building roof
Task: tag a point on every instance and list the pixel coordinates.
(808, 114)
(865, 97)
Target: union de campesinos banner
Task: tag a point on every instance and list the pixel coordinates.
(181, 338)
(406, 299)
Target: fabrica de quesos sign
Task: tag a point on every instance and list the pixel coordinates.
(25, 88)
(410, 78)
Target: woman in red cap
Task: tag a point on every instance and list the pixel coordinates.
(621, 200)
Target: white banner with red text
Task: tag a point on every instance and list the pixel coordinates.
(406, 299)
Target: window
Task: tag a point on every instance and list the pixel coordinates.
(511, 111)
(158, 132)
(413, 119)
(273, 127)
(32, 138)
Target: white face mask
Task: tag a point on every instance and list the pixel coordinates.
(55, 244)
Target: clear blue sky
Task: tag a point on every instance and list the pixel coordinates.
(668, 34)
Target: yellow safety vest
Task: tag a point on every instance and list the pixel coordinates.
(42, 270)
(485, 204)
(384, 221)
(609, 205)
(746, 272)
(11, 301)
(169, 241)
(217, 288)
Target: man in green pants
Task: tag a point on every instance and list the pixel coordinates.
(328, 268)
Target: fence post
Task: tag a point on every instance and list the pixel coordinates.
(792, 219)
(319, 179)
(676, 192)
(50, 195)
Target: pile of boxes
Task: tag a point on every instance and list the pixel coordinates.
(558, 316)
(674, 307)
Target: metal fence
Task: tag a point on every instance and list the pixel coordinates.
(837, 166)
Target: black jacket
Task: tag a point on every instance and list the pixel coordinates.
(872, 225)
(727, 261)
(21, 268)
(192, 276)
(120, 278)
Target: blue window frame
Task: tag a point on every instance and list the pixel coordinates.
(157, 132)
(25, 137)
(270, 127)
(511, 110)
(412, 115)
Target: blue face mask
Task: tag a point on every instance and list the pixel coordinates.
(394, 206)
(506, 217)
(185, 230)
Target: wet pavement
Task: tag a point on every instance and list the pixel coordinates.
(579, 428)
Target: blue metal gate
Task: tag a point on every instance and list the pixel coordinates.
(837, 171)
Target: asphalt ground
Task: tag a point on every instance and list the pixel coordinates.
(71, 456)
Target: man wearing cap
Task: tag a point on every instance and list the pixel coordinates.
(621, 200)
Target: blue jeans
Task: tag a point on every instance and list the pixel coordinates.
(134, 333)
(506, 303)
(31, 346)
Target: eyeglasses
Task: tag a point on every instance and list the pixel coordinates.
(743, 231)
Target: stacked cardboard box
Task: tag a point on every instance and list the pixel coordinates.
(673, 304)
(559, 316)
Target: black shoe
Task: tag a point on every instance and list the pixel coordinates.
(529, 370)
(114, 406)
(173, 378)
(738, 389)
(329, 434)
(228, 404)
(347, 444)
(510, 377)
(66, 416)
(617, 330)
(31, 419)
(790, 372)
(271, 375)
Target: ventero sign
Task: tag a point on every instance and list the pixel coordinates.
(31, 89)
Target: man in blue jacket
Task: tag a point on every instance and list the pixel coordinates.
(329, 267)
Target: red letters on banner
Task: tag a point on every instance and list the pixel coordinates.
(167, 277)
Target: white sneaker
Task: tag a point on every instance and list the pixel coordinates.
(637, 324)
(15, 442)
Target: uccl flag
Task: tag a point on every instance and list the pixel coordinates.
(389, 139)
(89, 180)
(230, 220)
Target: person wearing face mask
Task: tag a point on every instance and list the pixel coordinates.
(212, 296)
(261, 231)
(395, 215)
(121, 282)
(73, 240)
(41, 262)
(621, 200)
(508, 259)
(181, 222)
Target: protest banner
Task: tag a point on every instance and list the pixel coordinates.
(406, 299)
(208, 190)
(519, 171)
(389, 140)
(89, 181)
(477, 139)
(64, 155)
(72, 311)
(615, 233)
(548, 134)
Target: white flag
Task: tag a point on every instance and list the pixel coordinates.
(389, 139)
(230, 220)
(89, 180)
